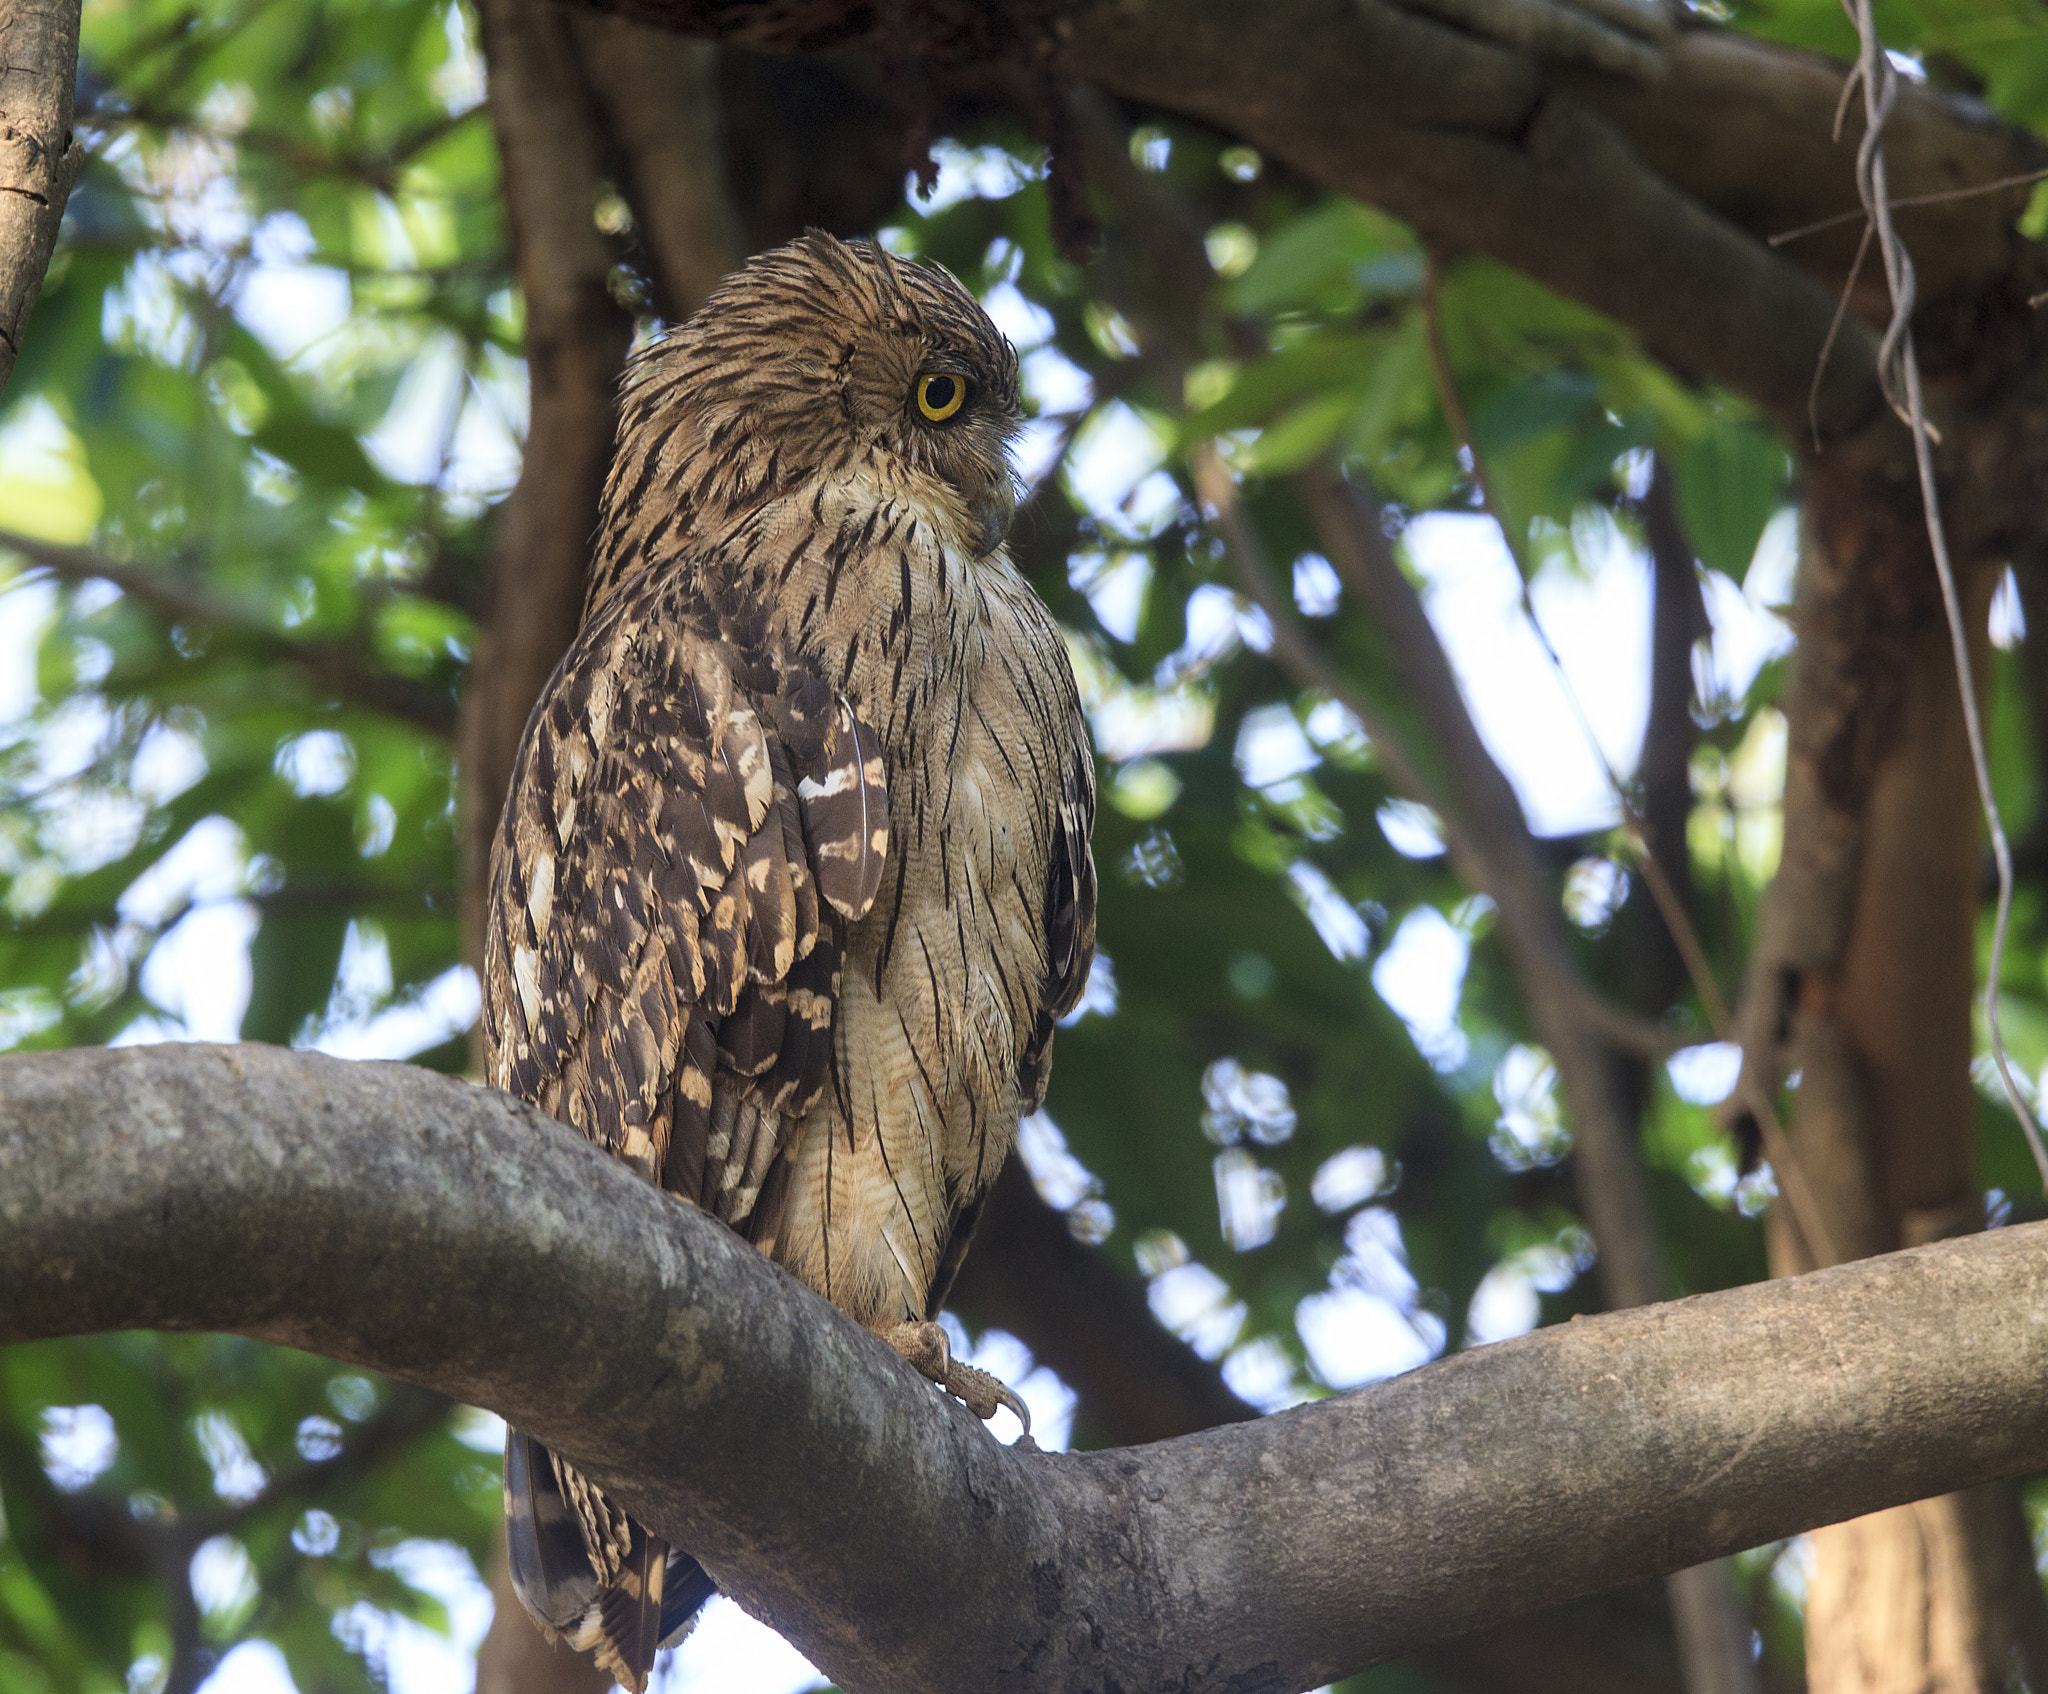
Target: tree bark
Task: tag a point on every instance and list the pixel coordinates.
(1862, 983)
(40, 158)
(511, 1264)
(1137, 1384)
(659, 95)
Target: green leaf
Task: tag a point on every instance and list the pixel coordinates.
(1730, 482)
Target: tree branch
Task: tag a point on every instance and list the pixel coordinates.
(39, 156)
(1137, 1383)
(1614, 192)
(1028, 1273)
(1496, 853)
(340, 667)
(1491, 845)
(459, 1239)
(380, 170)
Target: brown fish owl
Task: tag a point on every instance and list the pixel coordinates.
(793, 882)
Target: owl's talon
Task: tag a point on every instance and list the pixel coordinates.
(925, 1346)
(982, 1393)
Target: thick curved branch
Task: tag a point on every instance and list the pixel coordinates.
(1648, 201)
(451, 1236)
(39, 156)
(1472, 144)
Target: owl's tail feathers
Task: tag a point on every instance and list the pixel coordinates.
(649, 1603)
(654, 1604)
(552, 1571)
(683, 1595)
(629, 1614)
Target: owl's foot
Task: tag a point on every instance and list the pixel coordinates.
(926, 1347)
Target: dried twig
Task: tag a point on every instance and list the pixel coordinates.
(1904, 200)
(1827, 347)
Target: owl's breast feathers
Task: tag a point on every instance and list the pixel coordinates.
(809, 804)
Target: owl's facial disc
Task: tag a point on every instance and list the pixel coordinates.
(965, 438)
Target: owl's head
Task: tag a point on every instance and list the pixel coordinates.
(825, 359)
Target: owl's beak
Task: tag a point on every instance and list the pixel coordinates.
(992, 515)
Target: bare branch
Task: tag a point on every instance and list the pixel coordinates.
(1495, 851)
(343, 668)
(1604, 188)
(456, 1238)
(1600, 186)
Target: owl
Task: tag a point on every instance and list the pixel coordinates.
(793, 881)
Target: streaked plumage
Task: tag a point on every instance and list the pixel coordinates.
(793, 881)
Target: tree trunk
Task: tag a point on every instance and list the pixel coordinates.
(39, 157)
(1867, 959)
(1930, 1598)
(576, 335)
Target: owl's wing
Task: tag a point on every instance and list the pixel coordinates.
(695, 818)
(1069, 915)
(1069, 909)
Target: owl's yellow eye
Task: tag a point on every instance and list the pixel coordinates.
(939, 397)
